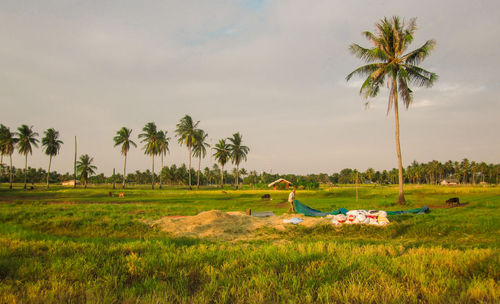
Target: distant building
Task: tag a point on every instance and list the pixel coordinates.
(70, 182)
(449, 182)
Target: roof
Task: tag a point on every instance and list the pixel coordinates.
(281, 180)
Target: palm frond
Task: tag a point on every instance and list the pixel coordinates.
(364, 70)
(420, 76)
(418, 55)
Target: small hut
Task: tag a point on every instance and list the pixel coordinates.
(449, 182)
(278, 181)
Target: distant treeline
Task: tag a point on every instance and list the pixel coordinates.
(464, 172)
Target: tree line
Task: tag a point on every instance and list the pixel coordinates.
(433, 172)
(155, 143)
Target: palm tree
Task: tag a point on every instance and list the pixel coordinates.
(221, 155)
(151, 147)
(26, 138)
(52, 145)
(163, 142)
(85, 168)
(200, 150)
(8, 142)
(3, 129)
(389, 59)
(238, 152)
(186, 129)
(123, 138)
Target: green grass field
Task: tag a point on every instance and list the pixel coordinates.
(66, 245)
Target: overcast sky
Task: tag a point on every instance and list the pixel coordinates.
(272, 70)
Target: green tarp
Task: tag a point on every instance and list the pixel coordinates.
(306, 210)
(412, 211)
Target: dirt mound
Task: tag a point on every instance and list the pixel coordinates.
(227, 225)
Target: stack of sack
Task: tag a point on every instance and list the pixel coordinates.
(369, 217)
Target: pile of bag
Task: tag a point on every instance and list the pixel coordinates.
(368, 217)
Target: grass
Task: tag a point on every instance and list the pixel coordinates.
(66, 245)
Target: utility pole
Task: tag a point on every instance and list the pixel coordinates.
(356, 186)
(74, 167)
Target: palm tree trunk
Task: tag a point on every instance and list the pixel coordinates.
(153, 174)
(10, 172)
(48, 171)
(161, 168)
(222, 177)
(199, 168)
(25, 169)
(189, 168)
(124, 171)
(237, 176)
(401, 197)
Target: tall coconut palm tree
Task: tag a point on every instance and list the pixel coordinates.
(51, 144)
(151, 145)
(185, 131)
(238, 152)
(26, 139)
(85, 168)
(221, 155)
(389, 59)
(8, 142)
(163, 142)
(123, 138)
(200, 150)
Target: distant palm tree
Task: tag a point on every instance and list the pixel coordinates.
(26, 138)
(185, 131)
(200, 149)
(123, 138)
(238, 152)
(85, 168)
(8, 142)
(52, 145)
(389, 59)
(3, 129)
(221, 155)
(163, 142)
(151, 147)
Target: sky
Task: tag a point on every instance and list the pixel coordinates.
(272, 70)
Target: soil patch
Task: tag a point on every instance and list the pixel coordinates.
(228, 225)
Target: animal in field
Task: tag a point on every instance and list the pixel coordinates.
(266, 196)
(454, 201)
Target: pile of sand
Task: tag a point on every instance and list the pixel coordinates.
(227, 225)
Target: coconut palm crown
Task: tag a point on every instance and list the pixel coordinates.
(85, 168)
(123, 138)
(51, 145)
(238, 152)
(26, 139)
(185, 131)
(390, 62)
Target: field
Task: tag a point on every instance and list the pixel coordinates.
(66, 245)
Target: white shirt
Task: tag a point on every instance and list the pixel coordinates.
(291, 197)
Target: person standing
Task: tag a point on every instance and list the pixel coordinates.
(291, 198)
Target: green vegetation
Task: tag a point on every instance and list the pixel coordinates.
(67, 245)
